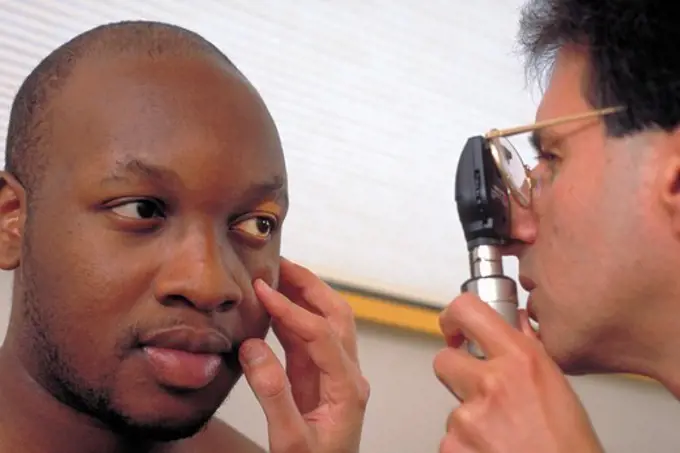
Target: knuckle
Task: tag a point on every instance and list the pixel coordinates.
(357, 391)
(348, 338)
(464, 423)
(450, 422)
(346, 333)
(311, 293)
(313, 288)
(342, 330)
(344, 308)
(322, 329)
(305, 271)
(363, 392)
(462, 418)
(491, 384)
(346, 318)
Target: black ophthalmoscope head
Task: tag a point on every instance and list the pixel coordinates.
(481, 196)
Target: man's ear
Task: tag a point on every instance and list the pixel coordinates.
(12, 220)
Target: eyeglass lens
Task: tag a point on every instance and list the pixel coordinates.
(513, 170)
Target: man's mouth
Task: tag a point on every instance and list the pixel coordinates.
(530, 308)
(526, 283)
(185, 358)
(533, 319)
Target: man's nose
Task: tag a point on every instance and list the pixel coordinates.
(203, 272)
(523, 228)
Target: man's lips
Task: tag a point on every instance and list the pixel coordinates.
(526, 283)
(183, 357)
(529, 285)
(533, 319)
(188, 339)
(530, 308)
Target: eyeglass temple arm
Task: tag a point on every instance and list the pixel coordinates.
(496, 133)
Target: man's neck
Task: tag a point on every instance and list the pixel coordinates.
(653, 349)
(667, 372)
(32, 420)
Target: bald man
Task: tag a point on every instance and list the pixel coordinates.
(141, 212)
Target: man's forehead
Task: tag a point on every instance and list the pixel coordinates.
(564, 92)
(133, 109)
(97, 81)
(206, 140)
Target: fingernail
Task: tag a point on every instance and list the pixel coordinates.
(263, 285)
(253, 353)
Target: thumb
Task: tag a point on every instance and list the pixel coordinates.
(267, 378)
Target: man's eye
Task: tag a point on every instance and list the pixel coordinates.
(139, 209)
(261, 227)
(547, 156)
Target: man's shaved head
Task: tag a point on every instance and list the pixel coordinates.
(29, 122)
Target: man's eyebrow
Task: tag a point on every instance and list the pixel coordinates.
(269, 189)
(125, 169)
(273, 189)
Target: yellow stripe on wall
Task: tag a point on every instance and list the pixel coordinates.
(391, 314)
(390, 310)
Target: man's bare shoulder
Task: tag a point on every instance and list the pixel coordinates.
(220, 436)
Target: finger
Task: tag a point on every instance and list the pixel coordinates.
(323, 346)
(525, 325)
(298, 363)
(451, 421)
(304, 288)
(459, 372)
(452, 334)
(292, 343)
(298, 282)
(480, 323)
(266, 377)
(465, 430)
(452, 444)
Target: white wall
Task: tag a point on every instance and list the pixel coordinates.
(374, 100)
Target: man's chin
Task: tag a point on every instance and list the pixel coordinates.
(165, 430)
(148, 410)
(162, 417)
(572, 361)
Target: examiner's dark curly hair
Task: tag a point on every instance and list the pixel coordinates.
(632, 47)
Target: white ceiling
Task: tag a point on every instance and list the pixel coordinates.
(374, 100)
